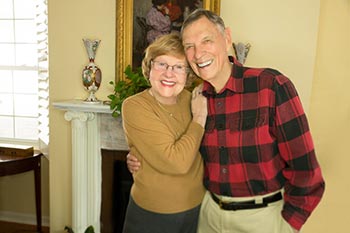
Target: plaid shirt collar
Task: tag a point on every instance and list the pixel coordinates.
(234, 83)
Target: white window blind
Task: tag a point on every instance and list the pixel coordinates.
(24, 92)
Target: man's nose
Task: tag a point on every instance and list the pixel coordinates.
(198, 51)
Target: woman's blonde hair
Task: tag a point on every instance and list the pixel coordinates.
(168, 44)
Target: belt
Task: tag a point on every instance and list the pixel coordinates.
(246, 204)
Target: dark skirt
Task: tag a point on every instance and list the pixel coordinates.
(139, 220)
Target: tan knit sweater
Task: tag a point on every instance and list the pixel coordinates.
(171, 174)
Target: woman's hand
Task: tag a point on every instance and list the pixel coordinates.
(199, 106)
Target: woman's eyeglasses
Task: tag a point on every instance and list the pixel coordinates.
(163, 66)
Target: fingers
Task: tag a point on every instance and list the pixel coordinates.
(198, 89)
(132, 166)
(196, 92)
(132, 163)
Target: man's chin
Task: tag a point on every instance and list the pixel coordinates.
(203, 74)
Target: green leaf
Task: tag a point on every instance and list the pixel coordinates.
(90, 229)
(134, 83)
(68, 229)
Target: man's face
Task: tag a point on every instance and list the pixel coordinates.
(206, 49)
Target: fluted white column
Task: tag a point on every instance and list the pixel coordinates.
(94, 173)
(93, 128)
(86, 170)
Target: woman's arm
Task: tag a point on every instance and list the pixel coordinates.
(150, 138)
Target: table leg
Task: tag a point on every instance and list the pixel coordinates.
(37, 180)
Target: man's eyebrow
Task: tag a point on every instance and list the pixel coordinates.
(207, 37)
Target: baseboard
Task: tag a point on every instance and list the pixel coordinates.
(30, 219)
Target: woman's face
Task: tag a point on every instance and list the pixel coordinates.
(168, 76)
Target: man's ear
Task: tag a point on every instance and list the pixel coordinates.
(228, 38)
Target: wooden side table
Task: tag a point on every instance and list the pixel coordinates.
(10, 165)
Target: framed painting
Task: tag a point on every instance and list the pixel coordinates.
(131, 28)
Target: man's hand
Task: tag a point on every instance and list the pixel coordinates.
(132, 163)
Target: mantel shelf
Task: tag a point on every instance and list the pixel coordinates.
(82, 106)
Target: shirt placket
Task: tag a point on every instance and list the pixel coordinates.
(221, 127)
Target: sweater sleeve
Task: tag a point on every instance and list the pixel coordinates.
(152, 142)
(304, 185)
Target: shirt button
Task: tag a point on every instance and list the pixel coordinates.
(224, 170)
(220, 126)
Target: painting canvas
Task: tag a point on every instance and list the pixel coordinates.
(143, 25)
(132, 27)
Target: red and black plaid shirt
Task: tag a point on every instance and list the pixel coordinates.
(257, 141)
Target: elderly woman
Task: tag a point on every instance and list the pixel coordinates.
(165, 135)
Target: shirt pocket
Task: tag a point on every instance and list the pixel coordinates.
(247, 123)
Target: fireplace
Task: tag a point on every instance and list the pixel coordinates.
(116, 184)
(96, 132)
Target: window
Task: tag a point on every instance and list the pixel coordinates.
(24, 72)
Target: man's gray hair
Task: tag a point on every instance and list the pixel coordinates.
(199, 13)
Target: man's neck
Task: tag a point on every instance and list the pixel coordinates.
(220, 82)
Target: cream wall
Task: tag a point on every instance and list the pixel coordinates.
(330, 116)
(283, 34)
(69, 22)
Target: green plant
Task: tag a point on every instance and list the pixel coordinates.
(90, 229)
(134, 83)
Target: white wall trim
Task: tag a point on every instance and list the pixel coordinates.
(30, 219)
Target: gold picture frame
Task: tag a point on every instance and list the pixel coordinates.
(124, 33)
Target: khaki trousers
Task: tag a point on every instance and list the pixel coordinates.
(212, 219)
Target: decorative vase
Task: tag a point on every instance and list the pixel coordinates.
(241, 51)
(92, 75)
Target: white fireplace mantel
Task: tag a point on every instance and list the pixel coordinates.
(93, 128)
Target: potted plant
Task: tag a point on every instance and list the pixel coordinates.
(90, 229)
(134, 83)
